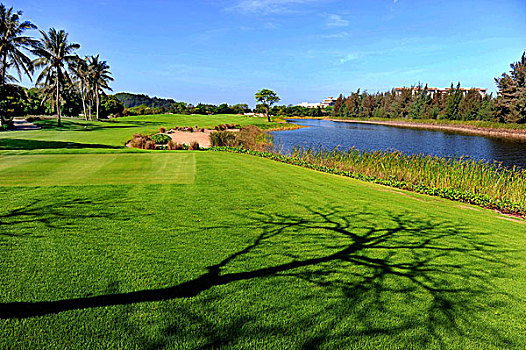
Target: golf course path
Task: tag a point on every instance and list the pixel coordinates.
(22, 124)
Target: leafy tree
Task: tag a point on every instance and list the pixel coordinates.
(267, 98)
(12, 42)
(511, 100)
(12, 104)
(240, 108)
(110, 105)
(55, 53)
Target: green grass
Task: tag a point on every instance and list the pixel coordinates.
(250, 254)
(106, 247)
(493, 186)
(77, 133)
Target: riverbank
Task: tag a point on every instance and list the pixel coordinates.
(473, 129)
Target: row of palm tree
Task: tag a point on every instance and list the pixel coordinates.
(60, 66)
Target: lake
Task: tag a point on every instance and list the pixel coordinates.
(369, 137)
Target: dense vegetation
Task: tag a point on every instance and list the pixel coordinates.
(139, 104)
(418, 103)
(66, 81)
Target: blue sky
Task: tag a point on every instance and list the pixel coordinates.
(215, 51)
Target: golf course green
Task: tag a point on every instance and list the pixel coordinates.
(107, 247)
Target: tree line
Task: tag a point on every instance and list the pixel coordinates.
(64, 76)
(417, 102)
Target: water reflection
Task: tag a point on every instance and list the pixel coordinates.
(328, 134)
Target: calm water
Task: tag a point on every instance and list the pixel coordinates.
(328, 134)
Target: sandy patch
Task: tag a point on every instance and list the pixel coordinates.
(187, 137)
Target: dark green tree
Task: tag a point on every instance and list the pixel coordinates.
(267, 98)
(110, 106)
(454, 98)
(511, 100)
(470, 105)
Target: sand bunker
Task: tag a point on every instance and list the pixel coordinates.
(187, 137)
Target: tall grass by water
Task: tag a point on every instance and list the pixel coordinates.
(497, 183)
(476, 182)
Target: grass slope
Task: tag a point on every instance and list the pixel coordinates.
(250, 254)
(77, 133)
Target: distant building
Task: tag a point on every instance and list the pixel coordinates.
(310, 105)
(329, 101)
(432, 91)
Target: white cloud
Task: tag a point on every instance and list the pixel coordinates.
(340, 35)
(267, 6)
(349, 57)
(336, 21)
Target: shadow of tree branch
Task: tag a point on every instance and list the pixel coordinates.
(441, 263)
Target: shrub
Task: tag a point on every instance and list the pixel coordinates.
(138, 141)
(160, 139)
(194, 146)
(223, 138)
(174, 146)
(149, 145)
(249, 136)
(162, 130)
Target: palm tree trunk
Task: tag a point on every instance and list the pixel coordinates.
(98, 101)
(89, 109)
(58, 101)
(84, 107)
(4, 68)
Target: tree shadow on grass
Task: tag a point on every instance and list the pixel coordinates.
(427, 270)
(56, 214)
(22, 144)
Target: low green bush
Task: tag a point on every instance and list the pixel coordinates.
(160, 139)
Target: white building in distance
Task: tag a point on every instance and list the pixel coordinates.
(329, 101)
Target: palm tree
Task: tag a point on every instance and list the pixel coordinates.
(80, 71)
(55, 53)
(12, 42)
(99, 78)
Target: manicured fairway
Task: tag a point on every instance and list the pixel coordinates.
(77, 133)
(95, 169)
(249, 253)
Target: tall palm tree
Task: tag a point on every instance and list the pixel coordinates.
(100, 76)
(12, 42)
(55, 53)
(80, 72)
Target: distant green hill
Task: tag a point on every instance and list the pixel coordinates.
(132, 100)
